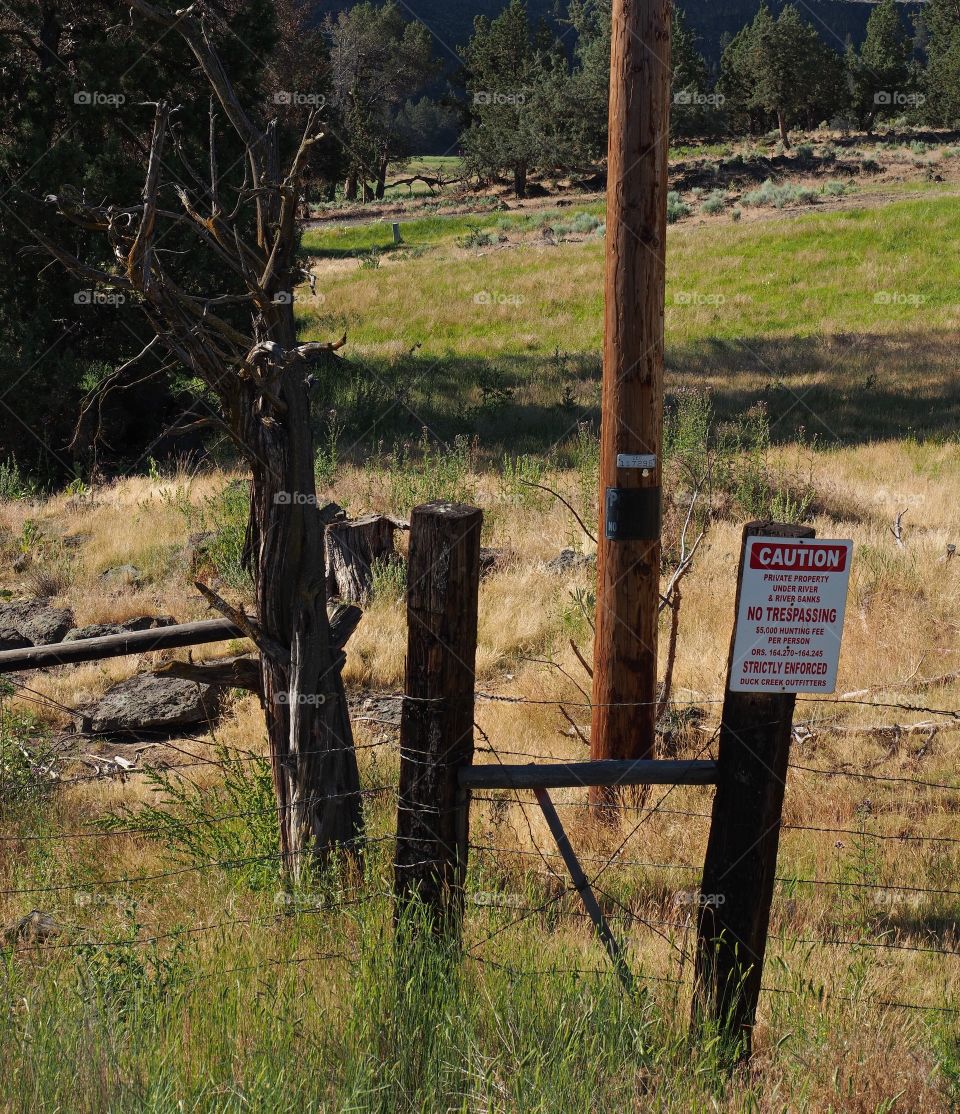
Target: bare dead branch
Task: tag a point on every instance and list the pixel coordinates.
(249, 626)
(557, 495)
(580, 658)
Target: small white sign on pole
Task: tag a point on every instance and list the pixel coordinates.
(793, 595)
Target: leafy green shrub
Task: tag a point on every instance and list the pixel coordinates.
(477, 238)
(224, 516)
(582, 224)
(389, 578)
(730, 462)
(836, 189)
(805, 153)
(715, 202)
(129, 977)
(25, 757)
(232, 823)
(14, 482)
(585, 223)
(427, 471)
(369, 260)
(778, 197)
(585, 460)
(328, 450)
(675, 207)
(870, 166)
(518, 473)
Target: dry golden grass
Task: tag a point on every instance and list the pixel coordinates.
(841, 883)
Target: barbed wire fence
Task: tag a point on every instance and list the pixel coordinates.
(662, 909)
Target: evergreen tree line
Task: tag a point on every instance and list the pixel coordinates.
(77, 82)
(534, 106)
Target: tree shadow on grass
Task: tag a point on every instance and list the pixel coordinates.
(844, 389)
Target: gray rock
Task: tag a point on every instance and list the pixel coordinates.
(147, 703)
(122, 574)
(101, 630)
(34, 928)
(491, 559)
(94, 630)
(75, 541)
(11, 639)
(36, 621)
(568, 560)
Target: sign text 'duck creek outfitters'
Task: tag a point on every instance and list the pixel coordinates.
(792, 598)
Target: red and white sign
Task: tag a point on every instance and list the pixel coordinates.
(792, 599)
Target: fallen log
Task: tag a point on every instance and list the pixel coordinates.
(119, 645)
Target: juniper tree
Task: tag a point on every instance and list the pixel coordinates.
(782, 69)
(238, 338)
(941, 22)
(380, 60)
(880, 71)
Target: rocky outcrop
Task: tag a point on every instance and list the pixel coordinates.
(100, 630)
(148, 704)
(35, 621)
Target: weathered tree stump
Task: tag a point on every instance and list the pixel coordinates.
(352, 550)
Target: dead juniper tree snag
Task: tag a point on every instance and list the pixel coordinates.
(259, 374)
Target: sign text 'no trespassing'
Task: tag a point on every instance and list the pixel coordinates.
(793, 595)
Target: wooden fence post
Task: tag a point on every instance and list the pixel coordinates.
(436, 728)
(741, 858)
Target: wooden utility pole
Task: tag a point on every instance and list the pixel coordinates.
(628, 559)
(741, 860)
(436, 727)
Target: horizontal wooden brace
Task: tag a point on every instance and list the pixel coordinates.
(570, 775)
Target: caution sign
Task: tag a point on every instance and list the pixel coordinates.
(793, 595)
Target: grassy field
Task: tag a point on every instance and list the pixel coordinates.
(812, 373)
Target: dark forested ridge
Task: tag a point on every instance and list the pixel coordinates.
(836, 20)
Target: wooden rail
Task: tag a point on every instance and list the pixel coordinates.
(570, 775)
(118, 645)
